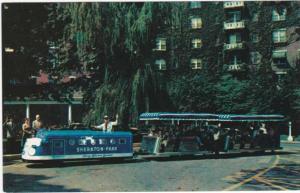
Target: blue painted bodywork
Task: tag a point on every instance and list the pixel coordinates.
(75, 142)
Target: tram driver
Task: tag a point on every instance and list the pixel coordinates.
(107, 125)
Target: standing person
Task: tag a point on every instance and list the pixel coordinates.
(263, 129)
(9, 133)
(216, 137)
(107, 125)
(37, 123)
(27, 131)
(263, 136)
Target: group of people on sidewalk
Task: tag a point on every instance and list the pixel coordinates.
(30, 130)
(11, 131)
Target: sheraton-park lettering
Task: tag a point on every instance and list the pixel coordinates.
(95, 149)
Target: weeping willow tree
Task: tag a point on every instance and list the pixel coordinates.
(114, 41)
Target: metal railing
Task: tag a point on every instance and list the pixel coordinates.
(233, 4)
(234, 25)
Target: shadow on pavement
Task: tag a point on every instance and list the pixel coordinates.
(72, 163)
(282, 176)
(220, 156)
(30, 183)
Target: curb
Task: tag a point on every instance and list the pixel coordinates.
(11, 157)
(290, 142)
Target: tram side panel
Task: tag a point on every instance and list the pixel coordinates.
(78, 147)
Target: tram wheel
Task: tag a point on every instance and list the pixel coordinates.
(25, 161)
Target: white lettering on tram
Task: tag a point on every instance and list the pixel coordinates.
(96, 149)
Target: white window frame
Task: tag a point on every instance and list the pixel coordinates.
(196, 63)
(196, 23)
(196, 43)
(161, 44)
(277, 17)
(279, 36)
(195, 4)
(161, 64)
(281, 51)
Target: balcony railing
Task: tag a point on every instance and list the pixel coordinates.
(234, 46)
(235, 67)
(233, 4)
(234, 25)
(279, 54)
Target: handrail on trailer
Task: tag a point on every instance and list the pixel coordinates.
(165, 116)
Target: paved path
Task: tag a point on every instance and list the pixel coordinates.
(280, 171)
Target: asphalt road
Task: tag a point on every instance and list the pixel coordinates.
(279, 171)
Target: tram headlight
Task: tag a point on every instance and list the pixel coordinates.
(31, 151)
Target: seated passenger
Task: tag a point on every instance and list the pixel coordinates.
(263, 128)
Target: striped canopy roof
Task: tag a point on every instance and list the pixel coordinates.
(209, 117)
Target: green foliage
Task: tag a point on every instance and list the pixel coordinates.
(190, 93)
(297, 100)
(115, 40)
(233, 95)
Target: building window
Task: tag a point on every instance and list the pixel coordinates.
(161, 44)
(278, 15)
(235, 60)
(195, 4)
(196, 63)
(279, 36)
(254, 38)
(196, 43)
(161, 64)
(235, 38)
(278, 54)
(255, 57)
(255, 17)
(196, 23)
(234, 16)
(281, 63)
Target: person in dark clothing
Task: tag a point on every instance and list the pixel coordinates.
(27, 131)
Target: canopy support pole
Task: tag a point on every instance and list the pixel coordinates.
(27, 111)
(290, 137)
(69, 113)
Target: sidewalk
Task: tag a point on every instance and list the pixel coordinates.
(11, 157)
(291, 142)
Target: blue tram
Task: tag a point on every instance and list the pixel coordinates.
(169, 134)
(77, 144)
